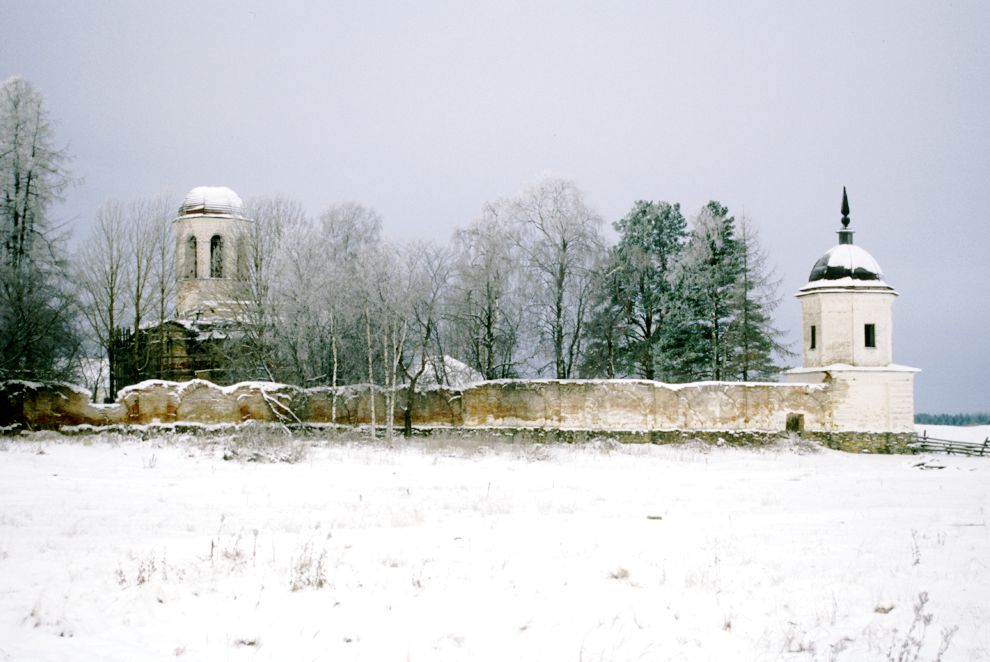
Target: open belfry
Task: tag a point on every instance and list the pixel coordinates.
(210, 254)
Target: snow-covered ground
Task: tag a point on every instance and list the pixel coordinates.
(971, 433)
(113, 548)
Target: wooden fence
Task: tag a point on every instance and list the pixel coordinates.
(923, 442)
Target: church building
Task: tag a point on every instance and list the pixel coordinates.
(211, 270)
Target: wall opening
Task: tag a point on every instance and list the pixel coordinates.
(795, 423)
(216, 256)
(814, 338)
(870, 333)
(190, 260)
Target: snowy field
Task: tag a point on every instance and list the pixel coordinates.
(112, 548)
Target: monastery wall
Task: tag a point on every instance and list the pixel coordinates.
(617, 405)
(842, 412)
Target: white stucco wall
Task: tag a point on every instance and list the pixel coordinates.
(865, 399)
(840, 317)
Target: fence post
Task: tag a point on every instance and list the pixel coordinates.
(986, 442)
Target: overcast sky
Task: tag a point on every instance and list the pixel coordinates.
(425, 110)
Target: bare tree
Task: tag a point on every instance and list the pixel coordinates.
(561, 239)
(160, 212)
(102, 277)
(140, 234)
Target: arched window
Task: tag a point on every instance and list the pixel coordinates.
(216, 256)
(190, 262)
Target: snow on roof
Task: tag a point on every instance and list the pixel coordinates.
(846, 261)
(845, 367)
(846, 283)
(211, 201)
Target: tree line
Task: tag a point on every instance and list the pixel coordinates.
(953, 419)
(529, 288)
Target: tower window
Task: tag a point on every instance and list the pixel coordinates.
(216, 256)
(814, 337)
(870, 331)
(190, 263)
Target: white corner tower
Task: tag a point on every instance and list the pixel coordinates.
(847, 330)
(210, 254)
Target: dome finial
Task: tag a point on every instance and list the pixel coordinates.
(845, 234)
(845, 209)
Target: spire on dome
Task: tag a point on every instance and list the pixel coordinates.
(845, 208)
(845, 234)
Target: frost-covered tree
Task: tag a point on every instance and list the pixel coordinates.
(605, 329)
(726, 293)
(484, 304)
(560, 238)
(427, 270)
(701, 346)
(33, 172)
(38, 334)
(257, 351)
(651, 240)
(755, 340)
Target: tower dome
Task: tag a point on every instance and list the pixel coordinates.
(846, 261)
(845, 264)
(211, 201)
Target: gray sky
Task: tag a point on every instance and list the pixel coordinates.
(425, 110)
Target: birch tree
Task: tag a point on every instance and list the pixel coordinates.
(427, 269)
(483, 305)
(560, 238)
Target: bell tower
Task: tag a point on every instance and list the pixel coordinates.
(210, 254)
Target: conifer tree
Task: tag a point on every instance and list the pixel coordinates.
(636, 294)
(754, 339)
(701, 346)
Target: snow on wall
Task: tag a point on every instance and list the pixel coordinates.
(618, 405)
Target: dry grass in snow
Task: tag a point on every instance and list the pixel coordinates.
(112, 548)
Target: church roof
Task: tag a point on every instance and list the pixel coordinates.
(211, 201)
